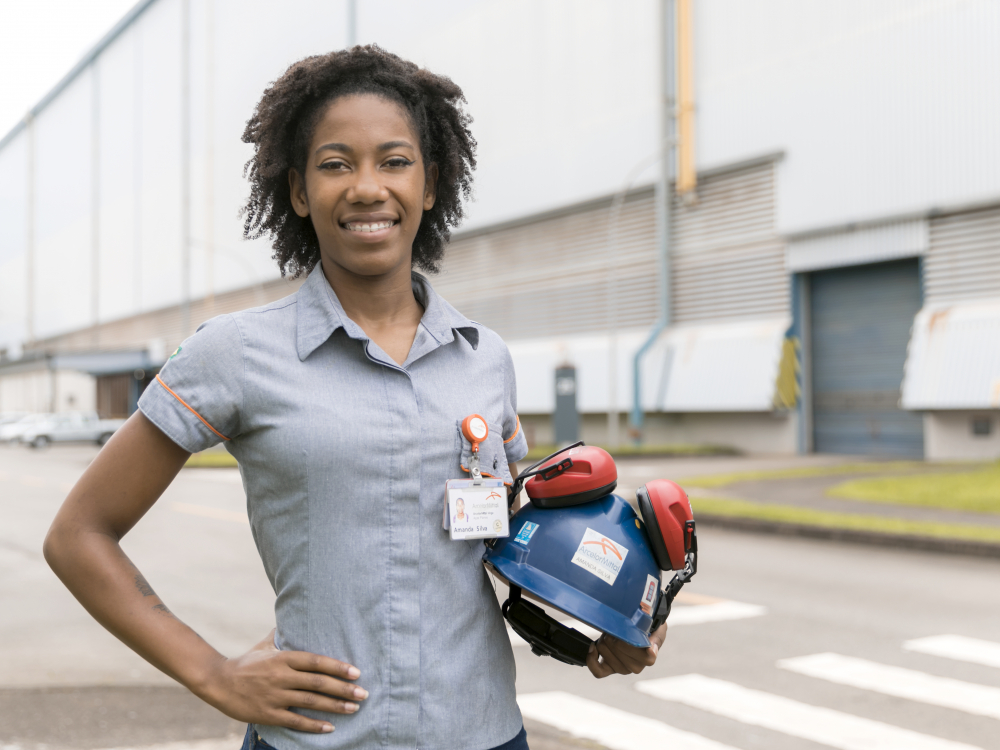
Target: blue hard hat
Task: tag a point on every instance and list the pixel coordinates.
(592, 561)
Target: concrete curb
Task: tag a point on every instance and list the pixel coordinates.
(875, 538)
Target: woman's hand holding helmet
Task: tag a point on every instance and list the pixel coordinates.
(612, 656)
(262, 686)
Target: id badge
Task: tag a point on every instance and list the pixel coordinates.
(475, 510)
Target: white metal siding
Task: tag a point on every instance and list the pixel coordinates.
(553, 276)
(889, 241)
(964, 258)
(953, 361)
(727, 262)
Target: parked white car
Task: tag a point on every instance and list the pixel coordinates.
(12, 432)
(70, 427)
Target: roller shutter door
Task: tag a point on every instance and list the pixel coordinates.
(861, 319)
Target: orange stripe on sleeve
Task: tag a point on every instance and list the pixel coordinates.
(203, 420)
(516, 430)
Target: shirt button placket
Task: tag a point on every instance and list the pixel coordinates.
(403, 519)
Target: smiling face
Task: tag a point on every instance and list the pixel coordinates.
(364, 187)
(460, 506)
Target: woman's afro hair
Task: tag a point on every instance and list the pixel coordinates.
(281, 130)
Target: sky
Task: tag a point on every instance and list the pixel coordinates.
(40, 41)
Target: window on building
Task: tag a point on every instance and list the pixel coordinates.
(982, 425)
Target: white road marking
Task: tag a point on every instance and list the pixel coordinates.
(219, 514)
(718, 612)
(613, 728)
(958, 647)
(981, 700)
(821, 725)
(679, 615)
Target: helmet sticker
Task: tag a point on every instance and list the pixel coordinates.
(599, 555)
(524, 535)
(649, 595)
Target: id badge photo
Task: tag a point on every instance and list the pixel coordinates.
(476, 510)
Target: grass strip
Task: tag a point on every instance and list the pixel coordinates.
(674, 449)
(806, 472)
(211, 460)
(853, 521)
(976, 491)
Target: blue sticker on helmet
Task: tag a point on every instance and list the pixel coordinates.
(525, 533)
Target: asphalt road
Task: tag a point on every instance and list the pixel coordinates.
(741, 682)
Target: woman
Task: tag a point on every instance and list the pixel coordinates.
(343, 405)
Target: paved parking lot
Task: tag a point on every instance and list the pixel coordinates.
(734, 671)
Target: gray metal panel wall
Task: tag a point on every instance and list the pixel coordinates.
(138, 331)
(727, 262)
(861, 320)
(552, 276)
(963, 262)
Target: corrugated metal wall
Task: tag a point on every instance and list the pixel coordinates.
(727, 261)
(552, 276)
(165, 325)
(963, 262)
(861, 319)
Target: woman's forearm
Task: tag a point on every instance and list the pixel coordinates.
(117, 489)
(111, 588)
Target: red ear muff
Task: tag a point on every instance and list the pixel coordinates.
(580, 475)
(669, 522)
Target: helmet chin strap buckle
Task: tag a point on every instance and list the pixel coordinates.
(681, 577)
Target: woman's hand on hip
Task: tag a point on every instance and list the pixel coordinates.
(262, 686)
(612, 656)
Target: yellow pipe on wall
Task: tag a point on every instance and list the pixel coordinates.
(687, 179)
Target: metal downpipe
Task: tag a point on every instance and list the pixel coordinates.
(667, 114)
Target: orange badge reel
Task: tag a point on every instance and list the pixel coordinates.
(475, 508)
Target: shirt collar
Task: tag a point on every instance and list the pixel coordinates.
(319, 314)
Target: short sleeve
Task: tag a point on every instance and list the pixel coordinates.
(514, 443)
(197, 397)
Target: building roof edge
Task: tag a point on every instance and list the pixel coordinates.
(137, 10)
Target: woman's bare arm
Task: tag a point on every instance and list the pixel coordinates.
(82, 547)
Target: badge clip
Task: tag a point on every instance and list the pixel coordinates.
(475, 430)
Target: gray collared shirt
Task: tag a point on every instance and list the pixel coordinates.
(344, 456)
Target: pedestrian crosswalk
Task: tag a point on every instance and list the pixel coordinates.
(613, 728)
(616, 728)
(758, 708)
(902, 683)
(957, 647)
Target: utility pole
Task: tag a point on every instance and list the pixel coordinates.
(210, 154)
(185, 168)
(29, 322)
(352, 23)
(95, 203)
(137, 173)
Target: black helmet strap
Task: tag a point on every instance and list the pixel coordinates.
(546, 635)
(547, 473)
(680, 578)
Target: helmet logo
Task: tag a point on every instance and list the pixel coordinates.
(607, 546)
(600, 556)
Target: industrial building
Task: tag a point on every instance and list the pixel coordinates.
(829, 277)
